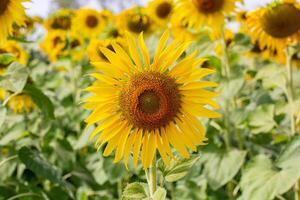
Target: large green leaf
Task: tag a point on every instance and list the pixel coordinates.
(15, 78)
(261, 120)
(33, 161)
(221, 167)
(41, 100)
(160, 194)
(180, 168)
(264, 180)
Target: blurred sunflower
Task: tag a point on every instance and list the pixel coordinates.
(11, 12)
(114, 33)
(241, 17)
(60, 20)
(21, 103)
(16, 49)
(161, 11)
(88, 22)
(136, 20)
(76, 48)
(143, 106)
(197, 13)
(54, 44)
(275, 26)
(180, 31)
(2, 94)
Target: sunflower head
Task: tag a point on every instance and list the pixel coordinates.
(94, 52)
(16, 49)
(161, 10)
(208, 6)
(61, 20)
(279, 21)
(89, 22)
(140, 106)
(11, 13)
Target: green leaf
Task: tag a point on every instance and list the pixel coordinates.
(15, 78)
(180, 169)
(6, 59)
(272, 77)
(264, 180)
(221, 167)
(37, 164)
(41, 100)
(160, 194)
(232, 88)
(135, 191)
(2, 114)
(261, 120)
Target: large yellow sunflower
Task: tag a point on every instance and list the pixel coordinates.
(275, 26)
(11, 11)
(197, 13)
(89, 22)
(140, 106)
(161, 11)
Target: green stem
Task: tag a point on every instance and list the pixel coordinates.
(151, 177)
(297, 190)
(24, 195)
(290, 91)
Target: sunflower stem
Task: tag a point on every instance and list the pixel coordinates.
(226, 71)
(290, 90)
(151, 177)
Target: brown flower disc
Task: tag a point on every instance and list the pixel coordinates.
(281, 21)
(150, 100)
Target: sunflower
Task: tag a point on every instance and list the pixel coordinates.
(2, 94)
(76, 46)
(180, 31)
(197, 13)
(60, 20)
(15, 49)
(21, 103)
(114, 33)
(143, 106)
(93, 50)
(275, 26)
(54, 44)
(88, 22)
(136, 20)
(161, 11)
(11, 12)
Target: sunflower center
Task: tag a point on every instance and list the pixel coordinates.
(208, 6)
(138, 23)
(3, 6)
(63, 23)
(57, 40)
(150, 100)
(281, 21)
(91, 21)
(114, 33)
(163, 10)
(75, 43)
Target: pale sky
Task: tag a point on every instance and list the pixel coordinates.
(41, 7)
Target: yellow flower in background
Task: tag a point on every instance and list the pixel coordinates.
(54, 44)
(141, 106)
(136, 20)
(199, 13)
(89, 22)
(76, 48)
(114, 33)
(275, 26)
(241, 17)
(16, 49)
(161, 11)
(60, 20)
(21, 103)
(2, 93)
(11, 12)
(180, 31)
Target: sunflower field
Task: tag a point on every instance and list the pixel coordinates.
(167, 100)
